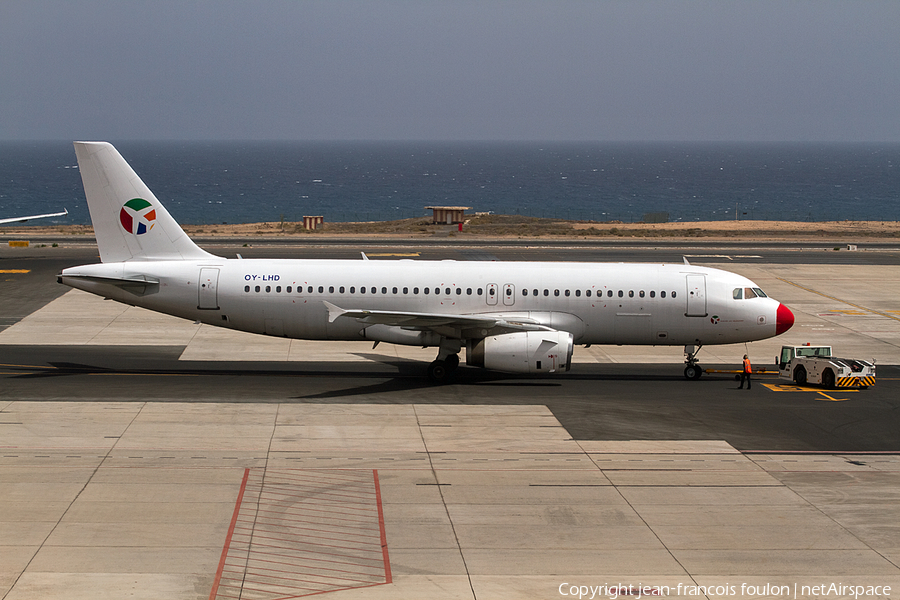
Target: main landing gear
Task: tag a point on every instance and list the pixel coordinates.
(692, 369)
(447, 361)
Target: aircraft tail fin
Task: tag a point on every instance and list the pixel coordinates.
(129, 222)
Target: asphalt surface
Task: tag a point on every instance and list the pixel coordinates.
(593, 402)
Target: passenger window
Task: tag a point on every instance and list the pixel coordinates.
(342, 289)
(673, 294)
(508, 292)
(268, 288)
(394, 290)
(321, 289)
(406, 290)
(246, 288)
(641, 293)
(384, 290)
(546, 292)
(652, 294)
(288, 289)
(416, 290)
(427, 291)
(278, 288)
(524, 291)
(459, 291)
(478, 291)
(437, 291)
(621, 294)
(609, 294)
(362, 289)
(588, 293)
(468, 291)
(330, 289)
(257, 289)
(446, 291)
(556, 292)
(567, 293)
(374, 290)
(578, 293)
(352, 289)
(309, 289)
(631, 293)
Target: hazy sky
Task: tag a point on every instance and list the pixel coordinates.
(451, 70)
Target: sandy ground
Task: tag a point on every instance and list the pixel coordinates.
(500, 226)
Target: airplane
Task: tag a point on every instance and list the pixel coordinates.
(513, 317)
(23, 219)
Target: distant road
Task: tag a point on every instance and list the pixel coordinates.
(437, 248)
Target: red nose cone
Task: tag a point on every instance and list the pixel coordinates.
(784, 319)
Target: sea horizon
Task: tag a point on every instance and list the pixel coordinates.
(208, 182)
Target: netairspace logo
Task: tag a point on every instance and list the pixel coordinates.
(137, 216)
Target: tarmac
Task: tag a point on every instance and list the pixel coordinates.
(193, 481)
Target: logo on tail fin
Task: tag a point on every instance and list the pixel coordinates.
(137, 216)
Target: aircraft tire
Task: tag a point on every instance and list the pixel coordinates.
(438, 372)
(693, 372)
(452, 362)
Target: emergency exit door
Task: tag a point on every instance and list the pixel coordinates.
(490, 293)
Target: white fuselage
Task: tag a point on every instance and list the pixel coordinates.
(598, 303)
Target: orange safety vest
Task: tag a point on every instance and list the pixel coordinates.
(747, 367)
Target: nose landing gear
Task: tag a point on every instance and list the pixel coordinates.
(692, 369)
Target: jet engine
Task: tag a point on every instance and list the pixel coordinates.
(522, 352)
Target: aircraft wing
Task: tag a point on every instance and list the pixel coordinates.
(23, 219)
(433, 321)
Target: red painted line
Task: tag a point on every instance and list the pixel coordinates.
(352, 559)
(363, 486)
(328, 512)
(384, 548)
(304, 557)
(316, 537)
(270, 494)
(234, 517)
(257, 571)
(284, 520)
(311, 542)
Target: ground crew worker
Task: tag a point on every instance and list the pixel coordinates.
(745, 373)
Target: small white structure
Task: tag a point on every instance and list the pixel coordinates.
(448, 214)
(313, 223)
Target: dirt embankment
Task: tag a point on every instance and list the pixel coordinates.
(513, 226)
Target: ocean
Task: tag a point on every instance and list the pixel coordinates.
(245, 182)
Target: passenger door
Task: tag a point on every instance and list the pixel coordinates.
(696, 296)
(207, 291)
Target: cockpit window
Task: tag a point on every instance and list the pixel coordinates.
(749, 293)
(738, 293)
(760, 293)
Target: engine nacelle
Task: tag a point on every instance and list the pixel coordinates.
(523, 352)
